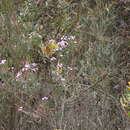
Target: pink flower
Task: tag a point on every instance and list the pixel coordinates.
(2, 84)
(18, 75)
(26, 67)
(59, 64)
(2, 62)
(11, 68)
(62, 43)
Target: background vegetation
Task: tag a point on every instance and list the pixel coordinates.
(64, 64)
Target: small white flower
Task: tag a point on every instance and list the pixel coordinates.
(64, 37)
(59, 49)
(22, 14)
(53, 59)
(61, 55)
(45, 98)
(2, 62)
(20, 108)
(70, 68)
(24, 69)
(71, 38)
(27, 65)
(12, 68)
(34, 69)
(39, 36)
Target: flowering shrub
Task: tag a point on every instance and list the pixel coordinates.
(76, 81)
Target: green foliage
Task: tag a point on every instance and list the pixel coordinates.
(92, 53)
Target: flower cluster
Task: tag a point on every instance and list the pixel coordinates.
(50, 48)
(62, 44)
(26, 67)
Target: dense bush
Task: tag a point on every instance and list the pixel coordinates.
(64, 64)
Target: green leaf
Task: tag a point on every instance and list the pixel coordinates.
(128, 113)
